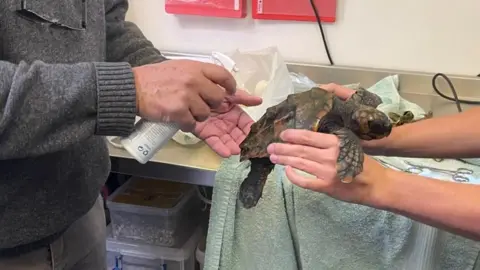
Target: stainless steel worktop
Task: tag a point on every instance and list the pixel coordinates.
(195, 164)
(198, 164)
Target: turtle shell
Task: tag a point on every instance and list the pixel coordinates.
(298, 111)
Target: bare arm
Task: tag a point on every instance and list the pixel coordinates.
(453, 136)
(450, 206)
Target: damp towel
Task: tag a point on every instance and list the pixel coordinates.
(292, 228)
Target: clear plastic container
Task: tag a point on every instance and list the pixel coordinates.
(133, 256)
(154, 212)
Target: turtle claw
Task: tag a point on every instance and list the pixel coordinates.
(249, 195)
(350, 157)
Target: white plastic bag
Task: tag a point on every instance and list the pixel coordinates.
(262, 73)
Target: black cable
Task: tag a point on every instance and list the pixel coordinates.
(319, 22)
(455, 98)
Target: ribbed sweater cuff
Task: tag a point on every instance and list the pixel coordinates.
(116, 103)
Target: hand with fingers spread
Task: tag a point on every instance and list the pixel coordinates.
(333, 153)
(181, 91)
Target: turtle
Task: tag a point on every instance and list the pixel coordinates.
(318, 110)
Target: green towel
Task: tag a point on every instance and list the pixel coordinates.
(239, 239)
(292, 228)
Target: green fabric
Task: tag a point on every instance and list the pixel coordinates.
(240, 239)
(292, 229)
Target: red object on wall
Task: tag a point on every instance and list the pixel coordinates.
(210, 8)
(294, 10)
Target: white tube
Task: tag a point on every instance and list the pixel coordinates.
(148, 138)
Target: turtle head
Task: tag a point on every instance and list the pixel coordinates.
(369, 123)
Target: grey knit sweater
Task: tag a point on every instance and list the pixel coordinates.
(65, 81)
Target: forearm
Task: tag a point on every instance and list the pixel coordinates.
(450, 206)
(46, 108)
(453, 136)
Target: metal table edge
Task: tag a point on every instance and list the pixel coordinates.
(163, 171)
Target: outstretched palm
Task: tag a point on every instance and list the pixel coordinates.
(228, 125)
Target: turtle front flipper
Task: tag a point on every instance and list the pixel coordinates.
(251, 188)
(350, 158)
(365, 97)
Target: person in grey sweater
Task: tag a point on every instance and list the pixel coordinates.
(72, 72)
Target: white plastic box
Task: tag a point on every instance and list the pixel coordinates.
(154, 212)
(133, 256)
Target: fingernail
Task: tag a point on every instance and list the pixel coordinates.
(283, 134)
(274, 158)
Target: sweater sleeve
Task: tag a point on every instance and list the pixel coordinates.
(46, 108)
(125, 41)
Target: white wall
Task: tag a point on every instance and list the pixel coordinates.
(419, 35)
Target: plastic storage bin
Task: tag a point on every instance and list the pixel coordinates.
(134, 256)
(154, 212)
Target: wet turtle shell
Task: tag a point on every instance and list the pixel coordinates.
(299, 111)
(320, 111)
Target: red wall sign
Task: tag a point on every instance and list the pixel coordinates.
(294, 10)
(210, 8)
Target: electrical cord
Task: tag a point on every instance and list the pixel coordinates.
(455, 98)
(319, 22)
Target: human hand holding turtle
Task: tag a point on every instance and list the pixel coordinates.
(369, 146)
(319, 133)
(319, 155)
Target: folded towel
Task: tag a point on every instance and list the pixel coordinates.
(293, 228)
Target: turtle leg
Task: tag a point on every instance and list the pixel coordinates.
(251, 188)
(351, 156)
